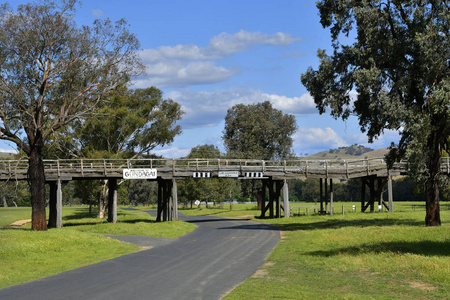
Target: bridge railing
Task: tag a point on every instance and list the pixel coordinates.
(105, 167)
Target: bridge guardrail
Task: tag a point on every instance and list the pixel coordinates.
(296, 167)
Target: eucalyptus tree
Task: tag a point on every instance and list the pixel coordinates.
(53, 72)
(258, 131)
(128, 124)
(395, 55)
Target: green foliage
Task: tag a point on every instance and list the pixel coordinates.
(133, 121)
(130, 123)
(142, 192)
(258, 131)
(206, 189)
(53, 71)
(398, 66)
(15, 193)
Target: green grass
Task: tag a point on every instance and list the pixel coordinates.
(26, 255)
(247, 211)
(9, 215)
(356, 256)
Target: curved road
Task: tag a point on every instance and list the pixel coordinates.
(204, 264)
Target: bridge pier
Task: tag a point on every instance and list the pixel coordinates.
(55, 204)
(376, 186)
(327, 197)
(275, 188)
(112, 200)
(167, 200)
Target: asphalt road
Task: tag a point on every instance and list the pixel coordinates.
(204, 264)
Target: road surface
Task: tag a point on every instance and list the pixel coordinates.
(204, 264)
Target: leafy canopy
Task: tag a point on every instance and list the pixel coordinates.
(398, 65)
(53, 72)
(258, 131)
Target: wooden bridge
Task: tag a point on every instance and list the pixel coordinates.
(274, 175)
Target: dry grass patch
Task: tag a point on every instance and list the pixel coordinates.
(423, 286)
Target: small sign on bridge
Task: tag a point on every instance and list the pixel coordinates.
(140, 173)
(231, 174)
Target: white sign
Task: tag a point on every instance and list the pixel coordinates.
(197, 202)
(253, 174)
(139, 173)
(228, 173)
(201, 174)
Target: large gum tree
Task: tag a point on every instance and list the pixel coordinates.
(53, 72)
(395, 55)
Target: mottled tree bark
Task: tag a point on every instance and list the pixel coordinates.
(36, 177)
(433, 216)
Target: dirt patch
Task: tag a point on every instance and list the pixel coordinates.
(269, 264)
(260, 274)
(20, 222)
(245, 217)
(143, 248)
(423, 286)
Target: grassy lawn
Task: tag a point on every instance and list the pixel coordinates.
(26, 255)
(351, 256)
(356, 256)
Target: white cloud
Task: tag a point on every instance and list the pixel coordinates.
(9, 151)
(173, 152)
(383, 140)
(98, 12)
(317, 138)
(227, 44)
(179, 74)
(210, 108)
(295, 105)
(185, 65)
(178, 52)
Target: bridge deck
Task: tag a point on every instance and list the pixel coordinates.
(181, 168)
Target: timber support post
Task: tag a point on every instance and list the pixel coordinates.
(175, 199)
(331, 197)
(159, 209)
(286, 199)
(390, 194)
(321, 196)
(263, 201)
(274, 187)
(55, 204)
(112, 200)
(277, 196)
(167, 200)
(375, 192)
(326, 197)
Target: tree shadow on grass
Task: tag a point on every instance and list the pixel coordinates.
(336, 224)
(426, 248)
(76, 217)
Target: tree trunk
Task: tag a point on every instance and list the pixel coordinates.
(36, 177)
(433, 216)
(102, 203)
(5, 204)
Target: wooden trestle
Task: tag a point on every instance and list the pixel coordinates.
(274, 175)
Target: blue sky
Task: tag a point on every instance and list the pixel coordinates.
(211, 55)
